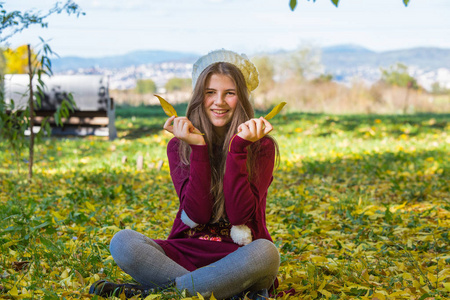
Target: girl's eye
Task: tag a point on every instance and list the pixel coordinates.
(209, 92)
(231, 93)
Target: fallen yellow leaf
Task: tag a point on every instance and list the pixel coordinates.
(14, 291)
(151, 297)
(200, 296)
(447, 286)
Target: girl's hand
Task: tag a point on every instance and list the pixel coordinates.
(254, 129)
(183, 129)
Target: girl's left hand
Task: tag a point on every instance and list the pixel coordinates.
(184, 130)
(254, 129)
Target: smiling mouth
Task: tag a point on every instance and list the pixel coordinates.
(219, 111)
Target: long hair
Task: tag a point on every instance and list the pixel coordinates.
(217, 145)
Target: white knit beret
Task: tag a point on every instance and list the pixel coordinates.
(247, 68)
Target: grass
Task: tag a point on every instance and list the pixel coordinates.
(359, 206)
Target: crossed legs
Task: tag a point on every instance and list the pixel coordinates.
(250, 268)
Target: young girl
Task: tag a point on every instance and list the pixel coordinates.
(221, 162)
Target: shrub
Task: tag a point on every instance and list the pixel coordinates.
(145, 86)
(397, 75)
(178, 84)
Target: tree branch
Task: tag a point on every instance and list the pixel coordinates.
(17, 21)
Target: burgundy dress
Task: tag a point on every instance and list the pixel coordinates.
(245, 202)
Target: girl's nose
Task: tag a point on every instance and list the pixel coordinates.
(219, 99)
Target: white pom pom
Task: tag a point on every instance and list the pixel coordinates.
(241, 234)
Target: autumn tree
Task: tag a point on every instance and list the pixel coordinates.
(16, 60)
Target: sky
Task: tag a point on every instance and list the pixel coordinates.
(112, 27)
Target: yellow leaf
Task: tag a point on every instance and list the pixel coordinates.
(90, 206)
(14, 291)
(326, 293)
(118, 189)
(153, 296)
(447, 286)
(10, 243)
(365, 274)
(167, 107)
(432, 277)
(170, 111)
(65, 274)
(318, 259)
(200, 296)
(79, 277)
(322, 285)
(212, 297)
(399, 294)
(379, 296)
(57, 215)
(275, 111)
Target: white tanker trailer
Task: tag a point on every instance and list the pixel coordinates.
(94, 110)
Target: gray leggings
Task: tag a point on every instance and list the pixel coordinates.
(250, 268)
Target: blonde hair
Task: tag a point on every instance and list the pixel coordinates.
(218, 145)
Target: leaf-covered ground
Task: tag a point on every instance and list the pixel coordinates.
(359, 207)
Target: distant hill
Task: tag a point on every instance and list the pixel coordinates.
(121, 61)
(333, 58)
(350, 56)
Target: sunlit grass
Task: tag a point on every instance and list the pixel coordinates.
(359, 206)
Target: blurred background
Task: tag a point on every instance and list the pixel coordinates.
(373, 56)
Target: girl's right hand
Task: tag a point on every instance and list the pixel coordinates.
(183, 129)
(254, 129)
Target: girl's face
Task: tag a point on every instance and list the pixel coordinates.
(220, 101)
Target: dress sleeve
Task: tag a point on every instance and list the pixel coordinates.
(242, 196)
(192, 182)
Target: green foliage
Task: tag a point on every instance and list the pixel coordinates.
(438, 89)
(13, 124)
(303, 62)
(323, 78)
(145, 86)
(293, 3)
(397, 75)
(266, 71)
(178, 84)
(14, 22)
